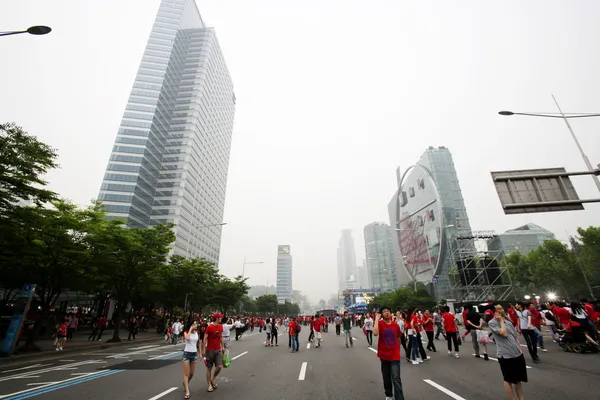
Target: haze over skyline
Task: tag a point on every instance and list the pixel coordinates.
(331, 98)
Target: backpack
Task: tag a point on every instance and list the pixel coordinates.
(549, 316)
(298, 328)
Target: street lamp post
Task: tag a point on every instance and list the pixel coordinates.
(33, 30)
(249, 263)
(565, 117)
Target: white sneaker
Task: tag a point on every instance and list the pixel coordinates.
(420, 360)
(415, 362)
(450, 354)
(428, 358)
(389, 398)
(456, 355)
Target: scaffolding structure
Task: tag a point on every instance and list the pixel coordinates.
(476, 274)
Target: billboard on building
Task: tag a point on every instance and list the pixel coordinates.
(418, 224)
(283, 249)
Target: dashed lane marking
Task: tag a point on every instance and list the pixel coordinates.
(29, 367)
(372, 349)
(239, 355)
(41, 383)
(165, 356)
(302, 371)
(166, 392)
(443, 389)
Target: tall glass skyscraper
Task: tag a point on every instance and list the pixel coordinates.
(170, 160)
(284, 274)
(381, 263)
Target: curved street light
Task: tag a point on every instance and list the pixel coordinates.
(32, 30)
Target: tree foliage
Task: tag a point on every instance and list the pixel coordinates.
(23, 162)
(404, 298)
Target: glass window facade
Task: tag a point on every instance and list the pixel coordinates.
(172, 149)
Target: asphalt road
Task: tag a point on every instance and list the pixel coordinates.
(152, 371)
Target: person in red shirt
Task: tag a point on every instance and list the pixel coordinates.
(388, 351)
(449, 325)
(213, 350)
(562, 314)
(292, 331)
(317, 323)
(464, 318)
(536, 321)
(512, 314)
(592, 318)
(428, 326)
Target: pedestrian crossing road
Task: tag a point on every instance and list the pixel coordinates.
(154, 371)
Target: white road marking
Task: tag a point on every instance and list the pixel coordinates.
(354, 339)
(164, 355)
(67, 360)
(166, 392)
(144, 347)
(20, 369)
(49, 384)
(41, 371)
(444, 390)
(23, 377)
(302, 371)
(81, 373)
(372, 349)
(495, 359)
(65, 369)
(308, 345)
(239, 355)
(41, 383)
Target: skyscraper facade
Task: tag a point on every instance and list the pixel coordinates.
(284, 274)
(427, 214)
(380, 256)
(170, 160)
(346, 257)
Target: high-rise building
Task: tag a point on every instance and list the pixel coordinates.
(346, 258)
(522, 239)
(364, 281)
(170, 160)
(427, 213)
(284, 274)
(380, 256)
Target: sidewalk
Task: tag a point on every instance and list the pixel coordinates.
(79, 344)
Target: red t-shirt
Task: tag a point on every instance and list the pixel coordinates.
(513, 316)
(316, 324)
(535, 318)
(428, 324)
(563, 315)
(388, 346)
(213, 334)
(415, 324)
(292, 328)
(589, 309)
(488, 315)
(449, 322)
(464, 317)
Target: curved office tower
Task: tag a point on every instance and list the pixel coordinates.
(170, 159)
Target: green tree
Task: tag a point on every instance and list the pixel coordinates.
(123, 257)
(404, 298)
(266, 304)
(23, 160)
(249, 305)
(587, 250)
(289, 308)
(227, 293)
(50, 245)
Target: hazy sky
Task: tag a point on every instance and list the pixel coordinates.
(331, 97)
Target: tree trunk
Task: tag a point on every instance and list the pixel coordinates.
(35, 332)
(117, 320)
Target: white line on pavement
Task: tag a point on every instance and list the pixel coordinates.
(354, 339)
(24, 377)
(239, 355)
(144, 347)
(41, 383)
(166, 392)
(495, 359)
(308, 345)
(164, 355)
(302, 371)
(67, 360)
(20, 369)
(40, 371)
(443, 389)
(81, 373)
(372, 349)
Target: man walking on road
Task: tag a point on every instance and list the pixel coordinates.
(510, 356)
(388, 351)
(213, 350)
(293, 332)
(338, 325)
(347, 322)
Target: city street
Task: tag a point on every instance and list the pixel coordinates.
(154, 371)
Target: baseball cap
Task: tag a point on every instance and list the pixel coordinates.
(217, 315)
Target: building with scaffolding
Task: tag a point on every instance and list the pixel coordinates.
(475, 271)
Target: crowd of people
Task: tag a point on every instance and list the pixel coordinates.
(209, 338)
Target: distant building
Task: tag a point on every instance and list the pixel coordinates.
(426, 214)
(346, 257)
(380, 256)
(284, 274)
(364, 280)
(522, 239)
